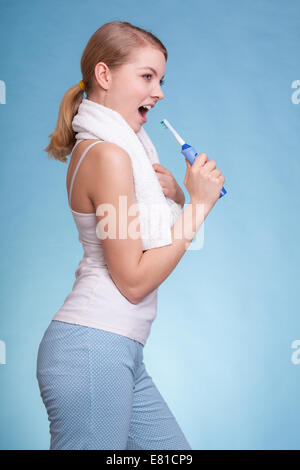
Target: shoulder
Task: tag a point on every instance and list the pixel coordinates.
(110, 171)
(109, 155)
(109, 158)
(99, 156)
(96, 148)
(108, 148)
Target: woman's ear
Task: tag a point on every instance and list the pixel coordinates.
(102, 75)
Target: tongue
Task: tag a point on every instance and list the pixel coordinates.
(142, 110)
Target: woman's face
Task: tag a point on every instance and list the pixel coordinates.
(132, 85)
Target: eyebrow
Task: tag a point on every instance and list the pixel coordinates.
(154, 71)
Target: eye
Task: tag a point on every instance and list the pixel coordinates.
(150, 75)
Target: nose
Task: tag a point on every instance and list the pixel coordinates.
(158, 93)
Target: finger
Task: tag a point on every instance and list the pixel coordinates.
(200, 160)
(210, 165)
(163, 179)
(216, 172)
(159, 168)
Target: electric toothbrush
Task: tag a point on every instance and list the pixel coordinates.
(187, 150)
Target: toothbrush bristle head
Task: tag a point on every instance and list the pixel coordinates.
(165, 123)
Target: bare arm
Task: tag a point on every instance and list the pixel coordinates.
(110, 177)
(135, 273)
(156, 265)
(203, 182)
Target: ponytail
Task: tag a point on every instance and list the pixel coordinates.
(63, 136)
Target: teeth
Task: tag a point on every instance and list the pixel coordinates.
(148, 106)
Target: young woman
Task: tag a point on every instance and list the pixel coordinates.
(90, 370)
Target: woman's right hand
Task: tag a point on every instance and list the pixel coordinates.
(203, 181)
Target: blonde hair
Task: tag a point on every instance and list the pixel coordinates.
(113, 44)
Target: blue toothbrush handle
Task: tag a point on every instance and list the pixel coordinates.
(190, 154)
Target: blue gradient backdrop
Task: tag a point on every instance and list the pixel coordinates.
(220, 349)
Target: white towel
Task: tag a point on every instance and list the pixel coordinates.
(157, 213)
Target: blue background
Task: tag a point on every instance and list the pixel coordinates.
(220, 349)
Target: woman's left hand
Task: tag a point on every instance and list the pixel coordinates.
(170, 187)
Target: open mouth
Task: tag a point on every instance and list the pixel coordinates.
(143, 111)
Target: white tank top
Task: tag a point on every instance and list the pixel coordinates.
(95, 300)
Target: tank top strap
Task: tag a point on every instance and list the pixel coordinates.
(79, 162)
